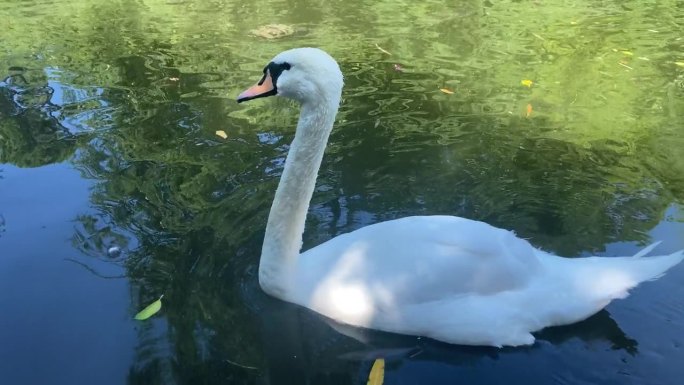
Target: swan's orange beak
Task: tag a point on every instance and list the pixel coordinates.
(262, 89)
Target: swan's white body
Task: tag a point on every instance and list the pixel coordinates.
(448, 278)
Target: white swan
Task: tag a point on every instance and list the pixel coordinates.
(452, 279)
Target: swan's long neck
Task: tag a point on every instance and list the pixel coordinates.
(283, 239)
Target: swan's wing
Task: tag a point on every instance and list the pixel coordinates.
(419, 259)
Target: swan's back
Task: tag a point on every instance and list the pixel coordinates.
(421, 258)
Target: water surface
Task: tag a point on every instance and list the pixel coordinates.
(560, 120)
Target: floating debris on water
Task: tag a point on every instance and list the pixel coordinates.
(114, 252)
(273, 31)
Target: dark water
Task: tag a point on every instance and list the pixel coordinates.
(115, 188)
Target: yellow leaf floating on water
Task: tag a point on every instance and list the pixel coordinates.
(527, 82)
(680, 63)
(377, 373)
(446, 91)
(222, 134)
(150, 310)
(628, 53)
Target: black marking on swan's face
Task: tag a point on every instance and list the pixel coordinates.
(268, 85)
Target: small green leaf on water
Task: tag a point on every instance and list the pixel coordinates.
(150, 310)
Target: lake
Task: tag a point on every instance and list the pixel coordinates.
(128, 172)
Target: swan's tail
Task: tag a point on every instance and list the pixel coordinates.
(587, 285)
(654, 267)
(612, 278)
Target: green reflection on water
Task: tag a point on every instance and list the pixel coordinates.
(132, 92)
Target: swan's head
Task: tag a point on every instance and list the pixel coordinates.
(302, 74)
